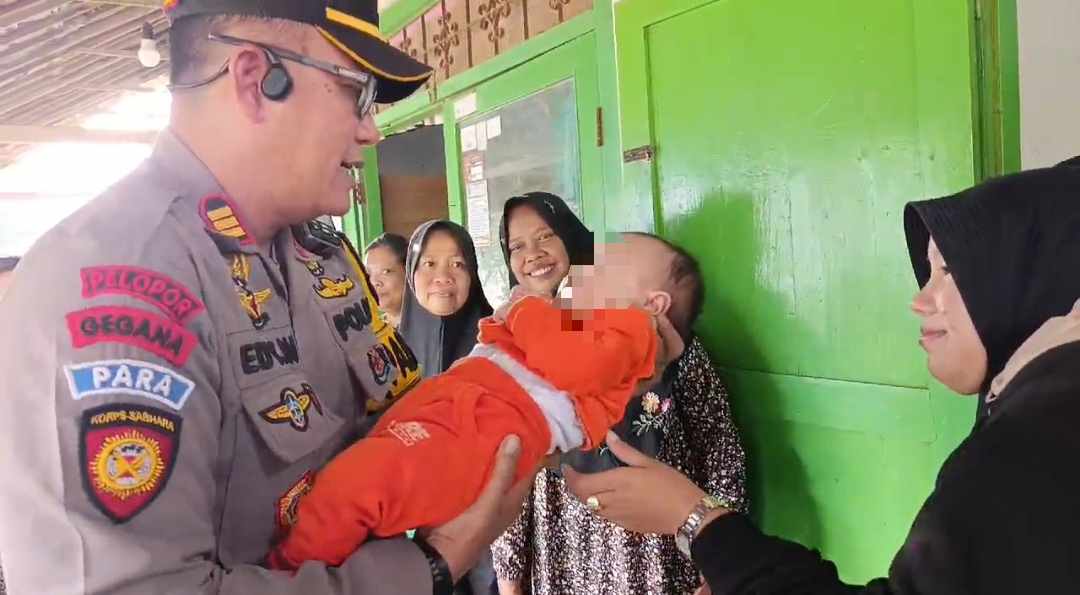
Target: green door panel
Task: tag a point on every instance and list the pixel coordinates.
(792, 154)
(842, 466)
(787, 137)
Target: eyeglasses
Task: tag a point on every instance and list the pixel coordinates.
(364, 82)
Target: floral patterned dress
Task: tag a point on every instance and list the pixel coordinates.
(558, 547)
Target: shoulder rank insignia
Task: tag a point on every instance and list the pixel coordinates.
(251, 300)
(220, 217)
(127, 454)
(292, 408)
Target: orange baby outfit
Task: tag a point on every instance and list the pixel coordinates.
(431, 454)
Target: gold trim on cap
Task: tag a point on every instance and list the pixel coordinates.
(350, 21)
(368, 65)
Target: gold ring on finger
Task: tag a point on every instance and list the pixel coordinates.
(593, 503)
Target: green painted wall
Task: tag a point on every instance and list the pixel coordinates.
(788, 137)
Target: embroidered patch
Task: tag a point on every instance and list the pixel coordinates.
(403, 361)
(129, 377)
(654, 413)
(380, 362)
(220, 217)
(293, 407)
(127, 453)
(290, 501)
(409, 432)
(261, 356)
(252, 301)
(353, 318)
(132, 326)
(327, 287)
(152, 287)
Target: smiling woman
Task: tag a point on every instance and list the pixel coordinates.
(444, 301)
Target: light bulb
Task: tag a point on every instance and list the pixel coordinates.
(148, 53)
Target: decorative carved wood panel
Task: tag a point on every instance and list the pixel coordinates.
(456, 35)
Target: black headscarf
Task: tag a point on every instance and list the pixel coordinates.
(553, 210)
(439, 341)
(1012, 245)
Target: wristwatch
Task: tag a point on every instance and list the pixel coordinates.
(688, 530)
(441, 581)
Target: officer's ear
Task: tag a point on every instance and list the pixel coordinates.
(247, 68)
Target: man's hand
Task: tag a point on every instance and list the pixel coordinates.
(462, 540)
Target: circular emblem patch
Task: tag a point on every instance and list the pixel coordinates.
(128, 452)
(127, 464)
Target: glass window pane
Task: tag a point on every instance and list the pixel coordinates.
(529, 145)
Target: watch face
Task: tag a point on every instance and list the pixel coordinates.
(682, 542)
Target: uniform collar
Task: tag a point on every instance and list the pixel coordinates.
(201, 193)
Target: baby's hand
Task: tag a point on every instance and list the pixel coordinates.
(518, 292)
(669, 347)
(671, 343)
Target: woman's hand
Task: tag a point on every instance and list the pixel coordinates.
(646, 497)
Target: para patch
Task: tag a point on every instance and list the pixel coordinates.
(252, 301)
(152, 287)
(127, 453)
(131, 326)
(129, 377)
(290, 501)
(292, 408)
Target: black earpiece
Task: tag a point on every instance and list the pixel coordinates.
(277, 83)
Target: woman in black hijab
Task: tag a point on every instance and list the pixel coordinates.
(542, 254)
(999, 271)
(444, 301)
(443, 305)
(558, 546)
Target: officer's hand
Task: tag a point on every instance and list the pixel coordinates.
(462, 540)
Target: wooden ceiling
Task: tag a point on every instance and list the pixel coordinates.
(61, 60)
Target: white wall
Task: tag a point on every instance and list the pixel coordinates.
(1049, 32)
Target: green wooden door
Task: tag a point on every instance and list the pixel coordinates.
(787, 137)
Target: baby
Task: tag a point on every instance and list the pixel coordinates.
(557, 373)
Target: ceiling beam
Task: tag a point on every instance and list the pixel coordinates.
(32, 135)
(21, 11)
(137, 3)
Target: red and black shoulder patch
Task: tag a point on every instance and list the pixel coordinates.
(127, 453)
(221, 217)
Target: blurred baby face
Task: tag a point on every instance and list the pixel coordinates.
(611, 282)
(629, 270)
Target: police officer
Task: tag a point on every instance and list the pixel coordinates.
(181, 356)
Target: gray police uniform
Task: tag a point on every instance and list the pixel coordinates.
(169, 388)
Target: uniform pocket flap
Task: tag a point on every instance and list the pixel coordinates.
(290, 417)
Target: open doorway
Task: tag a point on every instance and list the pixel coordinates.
(412, 179)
